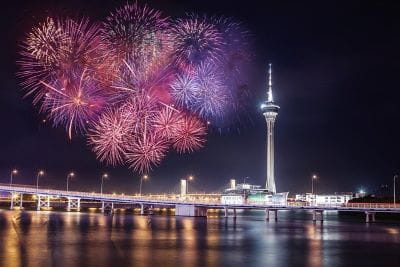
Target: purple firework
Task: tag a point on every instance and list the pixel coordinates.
(185, 90)
(196, 40)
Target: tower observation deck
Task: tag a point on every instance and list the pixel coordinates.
(270, 110)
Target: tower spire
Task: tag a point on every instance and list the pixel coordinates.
(270, 97)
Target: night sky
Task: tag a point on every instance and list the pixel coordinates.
(336, 77)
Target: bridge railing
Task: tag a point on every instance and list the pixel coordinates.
(373, 205)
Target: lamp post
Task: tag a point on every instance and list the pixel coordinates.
(104, 176)
(394, 189)
(144, 177)
(190, 178)
(70, 175)
(40, 173)
(314, 177)
(13, 172)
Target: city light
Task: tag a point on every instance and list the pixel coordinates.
(40, 173)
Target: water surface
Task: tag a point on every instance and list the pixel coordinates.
(31, 238)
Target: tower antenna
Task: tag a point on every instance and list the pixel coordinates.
(270, 97)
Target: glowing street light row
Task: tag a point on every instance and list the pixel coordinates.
(71, 174)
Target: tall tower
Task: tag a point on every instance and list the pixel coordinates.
(270, 111)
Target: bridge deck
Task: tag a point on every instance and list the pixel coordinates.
(169, 200)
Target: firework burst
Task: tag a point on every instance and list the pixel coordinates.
(190, 134)
(167, 121)
(110, 137)
(136, 32)
(145, 152)
(212, 93)
(73, 103)
(196, 40)
(184, 90)
(58, 50)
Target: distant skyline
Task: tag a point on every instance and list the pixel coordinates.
(335, 79)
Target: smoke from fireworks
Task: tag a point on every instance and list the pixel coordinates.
(139, 83)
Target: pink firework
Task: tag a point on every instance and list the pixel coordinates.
(166, 122)
(58, 50)
(190, 134)
(42, 51)
(146, 151)
(73, 103)
(140, 110)
(110, 137)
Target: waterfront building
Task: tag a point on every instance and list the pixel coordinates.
(336, 199)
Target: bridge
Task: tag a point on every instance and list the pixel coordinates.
(183, 206)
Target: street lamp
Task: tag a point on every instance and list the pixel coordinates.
(40, 173)
(314, 177)
(144, 177)
(394, 189)
(13, 172)
(104, 176)
(70, 175)
(190, 178)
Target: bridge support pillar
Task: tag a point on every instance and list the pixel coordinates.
(74, 203)
(16, 200)
(234, 213)
(43, 201)
(141, 209)
(267, 214)
(190, 210)
(318, 215)
(105, 205)
(369, 216)
(226, 211)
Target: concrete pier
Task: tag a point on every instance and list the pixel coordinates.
(190, 211)
(274, 211)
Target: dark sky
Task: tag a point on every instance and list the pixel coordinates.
(336, 78)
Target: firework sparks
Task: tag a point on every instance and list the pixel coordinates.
(135, 32)
(167, 122)
(184, 90)
(145, 152)
(110, 137)
(142, 83)
(190, 134)
(74, 103)
(196, 40)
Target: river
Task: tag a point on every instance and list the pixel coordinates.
(31, 238)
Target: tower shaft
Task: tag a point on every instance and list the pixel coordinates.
(270, 183)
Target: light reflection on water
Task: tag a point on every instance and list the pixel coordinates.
(30, 238)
